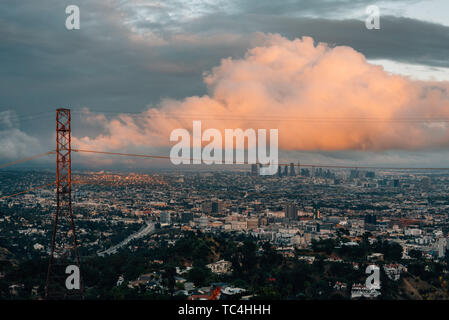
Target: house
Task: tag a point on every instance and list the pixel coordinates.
(393, 271)
(181, 293)
(198, 297)
(340, 286)
(376, 257)
(232, 291)
(359, 290)
(308, 259)
(120, 281)
(150, 279)
(180, 279)
(189, 286)
(38, 246)
(336, 260)
(220, 267)
(14, 289)
(182, 270)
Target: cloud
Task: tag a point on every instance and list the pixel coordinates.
(132, 53)
(319, 97)
(15, 143)
(401, 39)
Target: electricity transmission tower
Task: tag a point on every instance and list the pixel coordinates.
(64, 250)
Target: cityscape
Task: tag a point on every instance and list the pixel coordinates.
(183, 234)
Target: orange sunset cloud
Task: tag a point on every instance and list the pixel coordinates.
(319, 97)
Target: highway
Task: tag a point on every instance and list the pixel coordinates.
(146, 230)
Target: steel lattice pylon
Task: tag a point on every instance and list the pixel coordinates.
(64, 250)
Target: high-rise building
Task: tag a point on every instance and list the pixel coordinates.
(396, 183)
(165, 217)
(279, 172)
(291, 212)
(354, 174)
(370, 219)
(370, 174)
(252, 223)
(217, 206)
(207, 206)
(292, 169)
(285, 170)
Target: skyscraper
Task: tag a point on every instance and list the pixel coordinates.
(396, 183)
(291, 212)
(292, 169)
(354, 174)
(217, 206)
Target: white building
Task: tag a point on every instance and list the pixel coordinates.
(359, 290)
(165, 217)
(220, 267)
(441, 247)
(393, 271)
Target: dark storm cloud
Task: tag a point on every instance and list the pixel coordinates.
(100, 65)
(307, 7)
(400, 39)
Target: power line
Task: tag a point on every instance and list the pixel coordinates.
(26, 159)
(246, 162)
(267, 117)
(14, 117)
(259, 118)
(122, 154)
(26, 191)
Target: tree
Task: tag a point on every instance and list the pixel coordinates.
(199, 275)
(169, 274)
(415, 254)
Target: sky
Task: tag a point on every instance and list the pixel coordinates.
(135, 70)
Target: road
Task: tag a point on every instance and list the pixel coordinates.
(146, 230)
